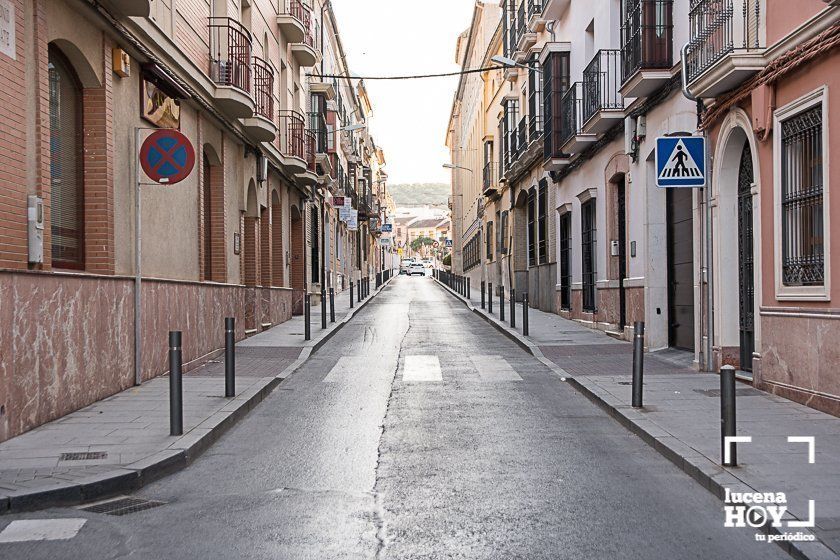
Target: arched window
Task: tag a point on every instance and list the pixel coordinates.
(66, 164)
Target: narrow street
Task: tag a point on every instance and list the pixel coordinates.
(403, 438)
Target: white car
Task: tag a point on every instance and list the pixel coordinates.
(416, 268)
(404, 265)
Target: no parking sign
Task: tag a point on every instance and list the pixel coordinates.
(167, 157)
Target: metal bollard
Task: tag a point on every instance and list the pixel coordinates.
(482, 294)
(469, 292)
(359, 290)
(727, 415)
(176, 397)
(638, 362)
(351, 294)
(512, 308)
(490, 297)
(525, 314)
(332, 305)
(230, 357)
(501, 303)
(307, 335)
(323, 307)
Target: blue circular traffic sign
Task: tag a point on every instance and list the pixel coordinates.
(167, 156)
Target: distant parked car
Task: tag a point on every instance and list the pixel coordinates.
(404, 264)
(417, 268)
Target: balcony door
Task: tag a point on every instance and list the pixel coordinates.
(656, 36)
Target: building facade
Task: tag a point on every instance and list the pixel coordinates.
(734, 273)
(86, 83)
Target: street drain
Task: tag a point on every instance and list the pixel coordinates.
(84, 456)
(122, 506)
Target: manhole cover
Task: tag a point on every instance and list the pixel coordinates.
(122, 506)
(84, 456)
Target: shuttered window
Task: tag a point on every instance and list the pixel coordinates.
(66, 183)
(316, 245)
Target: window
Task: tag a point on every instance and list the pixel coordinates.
(66, 164)
(555, 84)
(532, 230)
(503, 233)
(802, 249)
(534, 98)
(542, 231)
(207, 217)
(489, 241)
(472, 252)
(565, 261)
(802, 200)
(316, 245)
(587, 225)
(511, 146)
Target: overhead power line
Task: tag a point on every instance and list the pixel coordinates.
(412, 77)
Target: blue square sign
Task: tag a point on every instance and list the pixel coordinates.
(681, 161)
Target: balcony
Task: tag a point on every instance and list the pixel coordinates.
(553, 9)
(291, 141)
(262, 126)
(572, 138)
(525, 38)
(309, 176)
(230, 66)
(536, 22)
(647, 52)
(603, 105)
(305, 51)
(491, 178)
(291, 21)
(726, 45)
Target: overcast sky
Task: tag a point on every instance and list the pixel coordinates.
(396, 37)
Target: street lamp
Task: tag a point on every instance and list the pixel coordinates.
(352, 127)
(509, 62)
(453, 166)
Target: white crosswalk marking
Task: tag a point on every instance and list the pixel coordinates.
(422, 368)
(494, 368)
(41, 530)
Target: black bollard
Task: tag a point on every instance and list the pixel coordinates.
(501, 303)
(351, 294)
(230, 357)
(307, 335)
(359, 291)
(176, 397)
(525, 329)
(323, 307)
(638, 362)
(482, 294)
(727, 415)
(490, 297)
(469, 292)
(332, 305)
(512, 308)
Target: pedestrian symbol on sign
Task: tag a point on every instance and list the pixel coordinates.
(680, 161)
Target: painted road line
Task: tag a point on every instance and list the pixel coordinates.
(494, 368)
(422, 368)
(41, 530)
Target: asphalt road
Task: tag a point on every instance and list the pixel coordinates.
(417, 432)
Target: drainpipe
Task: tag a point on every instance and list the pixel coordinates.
(707, 191)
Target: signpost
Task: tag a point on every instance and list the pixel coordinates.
(387, 228)
(681, 161)
(166, 157)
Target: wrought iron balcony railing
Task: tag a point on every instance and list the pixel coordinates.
(535, 127)
(522, 135)
(646, 36)
(571, 108)
(719, 27)
(601, 80)
(309, 149)
(491, 176)
(535, 7)
(230, 53)
(297, 9)
(318, 126)
(291, 139)
(263, 88)
(521, 22)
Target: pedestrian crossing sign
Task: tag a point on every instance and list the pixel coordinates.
(681, 161)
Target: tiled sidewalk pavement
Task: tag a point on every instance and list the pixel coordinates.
(681, 419)
(127, 435)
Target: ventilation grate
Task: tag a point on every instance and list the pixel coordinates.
(84, 456)
(122, 506)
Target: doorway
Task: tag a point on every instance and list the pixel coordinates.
(746, 279)
(680, 232)
(621, 206)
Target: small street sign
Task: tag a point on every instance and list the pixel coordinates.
(680, 161)
(167, 157)
(338, 201)
(448, 243)
(387, 228)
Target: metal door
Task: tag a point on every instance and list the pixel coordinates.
(746, 279)
(680, 269)
(622, 253)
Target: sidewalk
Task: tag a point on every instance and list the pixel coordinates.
(122, 442)
(681, 420)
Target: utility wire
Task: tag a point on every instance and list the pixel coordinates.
(413, 77)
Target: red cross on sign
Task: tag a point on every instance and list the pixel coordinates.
(167, 157)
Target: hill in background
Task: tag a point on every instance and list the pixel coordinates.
(419, 194)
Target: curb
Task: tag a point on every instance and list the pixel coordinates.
(711, 476)
(180, 454)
